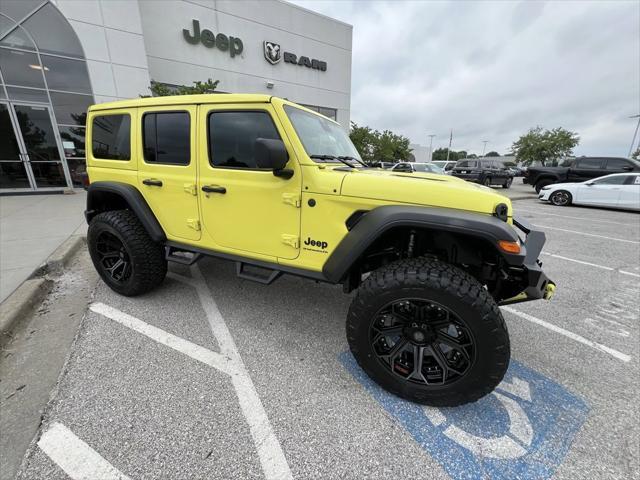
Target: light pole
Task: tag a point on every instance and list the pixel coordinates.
(431, 147)
(634, 134)
(484, 147)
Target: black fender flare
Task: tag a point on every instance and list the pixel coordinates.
(100, 198)
(377, 221)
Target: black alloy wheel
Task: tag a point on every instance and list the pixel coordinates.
(561, 198)
(508, 183)
(422, 342)
(113, 257)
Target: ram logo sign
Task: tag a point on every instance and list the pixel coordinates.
(272, 52)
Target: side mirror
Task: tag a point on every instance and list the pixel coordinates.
(589, 184)
(273, 155)
(627, 168)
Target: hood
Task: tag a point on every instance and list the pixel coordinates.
(422, 189)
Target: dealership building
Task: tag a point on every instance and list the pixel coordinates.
(58, 57)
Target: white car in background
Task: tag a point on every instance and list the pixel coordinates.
(619, 190)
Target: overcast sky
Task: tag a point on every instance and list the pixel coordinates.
(492, 70)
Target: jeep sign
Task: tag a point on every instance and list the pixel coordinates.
(224, 43)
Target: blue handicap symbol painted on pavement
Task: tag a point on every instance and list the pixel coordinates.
(523, 429)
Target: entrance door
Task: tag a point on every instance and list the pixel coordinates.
(13, 168)
(30, 132)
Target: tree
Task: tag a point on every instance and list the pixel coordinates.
(544, 145)
(492, 154)
(441, 154)
(375, 146)
(163, 90)
(636, 155)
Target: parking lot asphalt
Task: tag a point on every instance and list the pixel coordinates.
(212, 376)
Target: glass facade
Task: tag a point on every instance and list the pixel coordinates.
(44, 95)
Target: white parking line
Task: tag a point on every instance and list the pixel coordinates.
(75, 457)
(518, 209)
(573, 336)
(213, 359)
(589, 234)
(582, 262)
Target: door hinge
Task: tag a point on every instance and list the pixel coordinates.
(193, 223)
(190, 188)
(292, 240)
(291, 199)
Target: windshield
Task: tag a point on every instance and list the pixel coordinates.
(319, 135)
(467, 163)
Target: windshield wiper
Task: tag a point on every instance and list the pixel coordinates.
(342, 159)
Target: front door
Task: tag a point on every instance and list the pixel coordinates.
(245, 209)
(30, 129)
(601, 191)
(168, 169)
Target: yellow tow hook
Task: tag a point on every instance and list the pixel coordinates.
(549, 291)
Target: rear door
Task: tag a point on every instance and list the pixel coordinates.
(586, 168)
(167, 169)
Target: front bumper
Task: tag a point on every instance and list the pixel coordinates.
(537, 284)
(544, 195)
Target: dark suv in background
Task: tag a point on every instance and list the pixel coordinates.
(578, 170)
(484, 171)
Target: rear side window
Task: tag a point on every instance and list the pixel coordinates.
(232, 137)
(467, 163)
(166, 138)
(613, 180)
(111, 137)
(617, 164)
(589, 163)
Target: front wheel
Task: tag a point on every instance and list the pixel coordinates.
(508, 183)
(487, 182)
(429, 333)
(561, 198)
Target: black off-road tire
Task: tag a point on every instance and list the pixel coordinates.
(148, 265)
(542, 183)
(452, 288)
(561, 198)
(507, 183)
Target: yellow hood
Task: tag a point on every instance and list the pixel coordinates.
(422, 189)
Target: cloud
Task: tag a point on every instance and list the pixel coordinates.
(492, 70)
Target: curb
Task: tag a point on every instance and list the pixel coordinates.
(32, 291)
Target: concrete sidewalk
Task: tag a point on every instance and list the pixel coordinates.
(31, 228)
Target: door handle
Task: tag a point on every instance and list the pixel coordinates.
(213, 189)
(152, 182)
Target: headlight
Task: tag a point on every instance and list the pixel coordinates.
(548, 187)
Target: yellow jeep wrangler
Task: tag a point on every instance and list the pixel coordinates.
(280, 189)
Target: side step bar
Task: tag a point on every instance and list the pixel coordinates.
(183, 257)
(263, 275)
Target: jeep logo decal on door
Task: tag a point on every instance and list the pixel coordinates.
(319, 244)
(224, 43)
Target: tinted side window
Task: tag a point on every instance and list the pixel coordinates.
(589, 163)
(617, 180)
(617, 164)
(166, 138)
(633, 180)
(111, 137)
(232, 136)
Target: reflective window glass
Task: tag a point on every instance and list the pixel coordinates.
(18, 39)
(166, 138)
(69, 108)
(111, 137)
(52, 32)
(18, 9)
(232, 137)
(37, 133)
(78, 171)
(589, 163)
(48, 174)
(9, 144)
(66, 74)
(27, 94)
(73, 141)
(613, 180)
(13, 175)
(617, 164)
(5, 24)
(21, 68)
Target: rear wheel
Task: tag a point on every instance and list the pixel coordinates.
(124, 255)
(428, 332)
(508, 183)
(542, 183)
(487, 182)
(561, 198)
